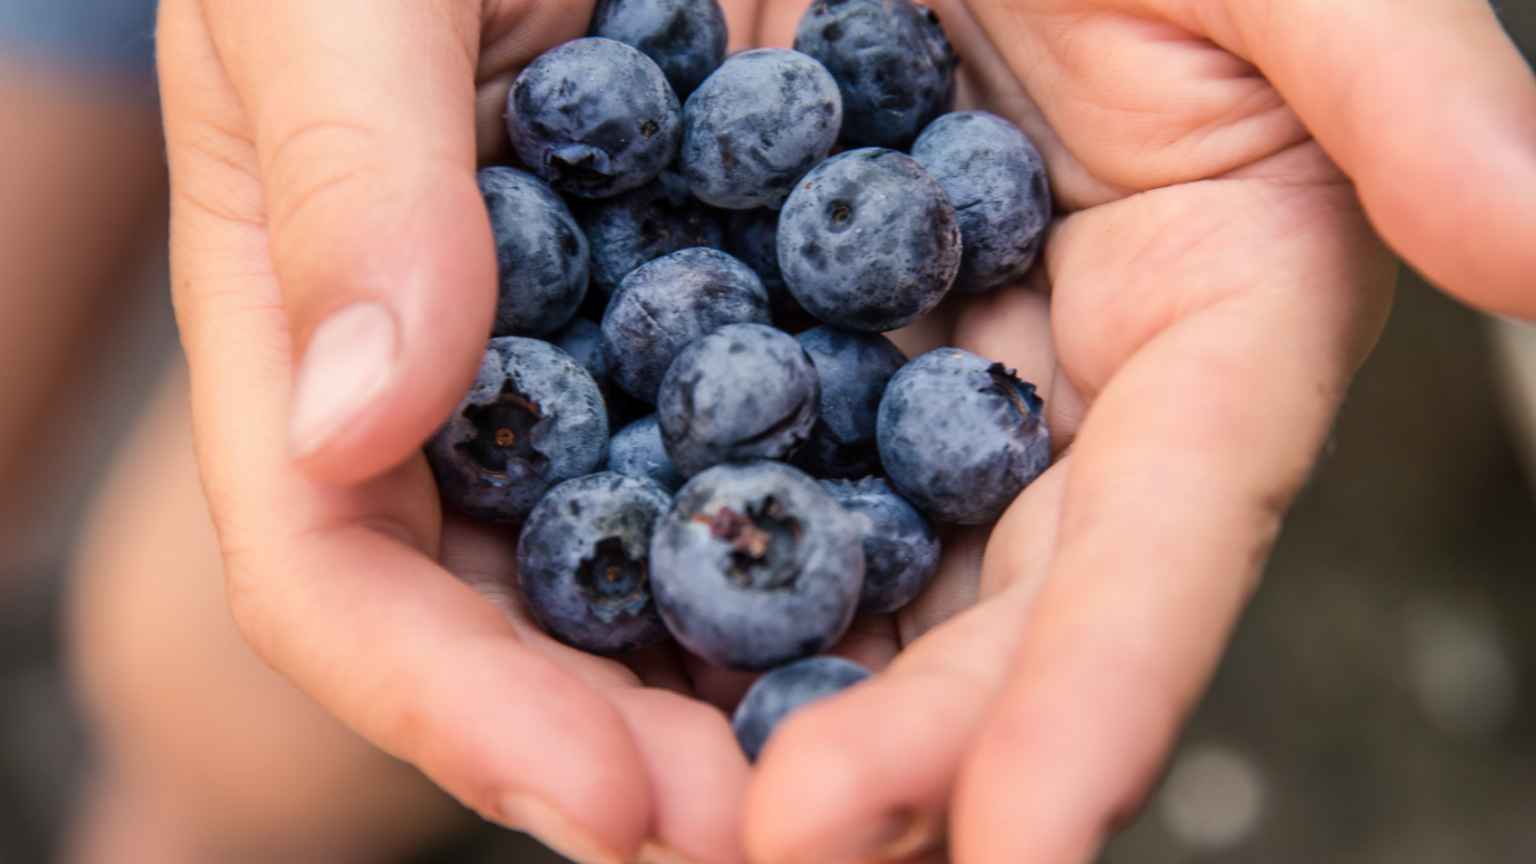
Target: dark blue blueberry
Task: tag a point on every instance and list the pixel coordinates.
(996, 179)
(664, 305)
(756, 126)
(854, 369)
(532, 420)
(901, 545)
(594, 117)
(868, 241)
(583, 563)
(686, 38)
(637, 451)
(753, 237)
(960, 436)
(892, 62)
(783, 690)
(582, 339)
(755, 565)
(644, 224)
(745, 391)
(541, 253)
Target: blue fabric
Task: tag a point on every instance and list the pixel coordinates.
(114, 36)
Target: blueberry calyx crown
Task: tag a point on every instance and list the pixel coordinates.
(502, 433)
(580, 163)
(1020, 394)
(612, 581)
(763, 543)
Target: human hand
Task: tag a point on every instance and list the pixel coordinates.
(1210, 290)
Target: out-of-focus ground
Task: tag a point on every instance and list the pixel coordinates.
(1377, 703)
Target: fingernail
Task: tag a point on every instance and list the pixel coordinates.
(654, 851)
(896, 837)
(349, 359)
(530, 815)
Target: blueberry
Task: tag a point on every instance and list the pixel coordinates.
(867, 241)
(594, 117)
(756, 126)
(686, 38)
(582, 339)
(541, 253)
(960, 436)
(996, 179)
(644, 224)
(533, 419)
(892, 62)
(753, 237)
(664, 305)
(901, 545)
(854, 369)
(783, 690)
(583, 563)
(637, 451)
(755, 565)
(745, 391)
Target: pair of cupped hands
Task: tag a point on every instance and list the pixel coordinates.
(1210, 286)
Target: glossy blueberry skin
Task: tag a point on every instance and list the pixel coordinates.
(783, 690)
(541, 253)
(533, 419)
(901, 545)
(644, 224)
(854, 369)
(996, 179)
(685, 38)
(868, 241)
(594, 117)
(748, 611)
(892, 62)
(637, 451)
(745, 391)
(960, 436)
(662, 306)
(756, 126)
(582, 563)
(753, 237)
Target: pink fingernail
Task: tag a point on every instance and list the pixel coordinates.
(349, 360)
(525, 813)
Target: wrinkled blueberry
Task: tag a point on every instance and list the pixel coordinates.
(541, 253)
(745, 391)
(901, 545)
(783, 690)
(892, 62)
(594, 117)
(583, 563)
(582, 339)
(637, 451)
(996, 179)
(854, 369)
(753, 237)
(867, 241)
(644, 224)
(664, 305)
(533, 419)
(960, 436)
(685, 38)
(755, 565)
(757, 125)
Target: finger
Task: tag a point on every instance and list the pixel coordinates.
(361, 115)
(336, 587)
(1429, 107)
(867, 776)
(1219, 291)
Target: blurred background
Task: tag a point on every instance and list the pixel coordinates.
(1376, 704)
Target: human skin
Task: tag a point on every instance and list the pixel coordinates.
(1210, 287)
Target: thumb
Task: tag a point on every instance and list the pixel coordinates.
(1431, 110)
(362, 113)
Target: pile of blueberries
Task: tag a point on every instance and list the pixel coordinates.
(762, 488)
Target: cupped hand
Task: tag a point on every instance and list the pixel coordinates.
(1210, 287)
